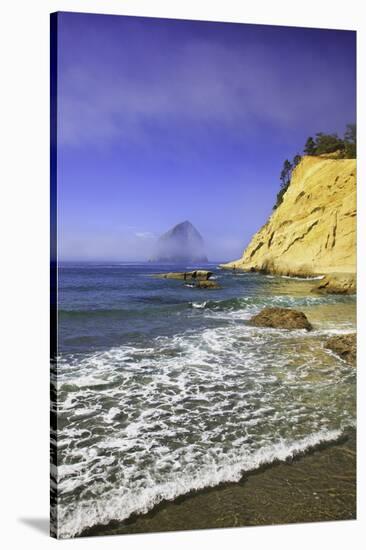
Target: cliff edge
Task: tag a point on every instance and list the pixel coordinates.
(313, 231)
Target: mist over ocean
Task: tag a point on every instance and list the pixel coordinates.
(164, 388)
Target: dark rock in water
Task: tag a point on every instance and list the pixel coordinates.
(279, 317)
(345, 346)
(183, 243)
(206, 284)
(202, 274)
(198, 279)
(186, 275)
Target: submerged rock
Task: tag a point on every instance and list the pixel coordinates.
(345, 346)
(280, 317)
(207, 284)
(199, 274)
(337, 283)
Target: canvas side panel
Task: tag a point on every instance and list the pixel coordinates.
(53, 274)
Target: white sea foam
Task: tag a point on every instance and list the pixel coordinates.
(110, 415)
(334, 331)
(244, 307)
(120, 504)
(199, 305)
(138, 425)
(310, 278)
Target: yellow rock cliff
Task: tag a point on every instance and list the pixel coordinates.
(313, 231)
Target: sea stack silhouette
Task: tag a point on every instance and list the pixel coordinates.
(183, 243)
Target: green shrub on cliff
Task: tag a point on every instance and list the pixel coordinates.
(331, 143)
(285, 178)
(322, 145)
(350, 141)
(296, 160)
(286, 173)
(328, 143)
(310, 146)
(280, 194)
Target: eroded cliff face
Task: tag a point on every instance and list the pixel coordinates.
(313, 231)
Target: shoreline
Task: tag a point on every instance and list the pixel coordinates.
(319, 485)
(329, 282)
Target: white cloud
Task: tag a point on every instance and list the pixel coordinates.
(201, 82)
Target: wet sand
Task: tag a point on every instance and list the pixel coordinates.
(317, 486)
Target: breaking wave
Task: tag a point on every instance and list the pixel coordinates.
(119, 506)
(257, 302)
(139, 425)
(182, 394)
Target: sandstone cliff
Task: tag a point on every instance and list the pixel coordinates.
(313, 231)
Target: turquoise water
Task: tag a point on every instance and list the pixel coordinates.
(163, 388)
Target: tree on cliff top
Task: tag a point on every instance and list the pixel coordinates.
(296, 160)
(350, 141)
(310, 146)
(323, 144)
(285, 178)
(286, 173)
(331, 143)
(328, 143)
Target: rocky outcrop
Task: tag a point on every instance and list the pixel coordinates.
(313, 231)
(199, 274)
(199, 278)
(345, 346)
(280, 317)
(337, 283)
(181, 244)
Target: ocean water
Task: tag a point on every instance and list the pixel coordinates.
(163, 388)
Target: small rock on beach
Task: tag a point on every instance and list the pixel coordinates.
(345, 346)
(279, 317)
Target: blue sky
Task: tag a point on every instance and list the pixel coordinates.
(161, 120)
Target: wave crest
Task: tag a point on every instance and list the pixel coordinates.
(118, 507)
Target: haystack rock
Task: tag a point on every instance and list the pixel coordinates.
(313, 231)
(181, 244)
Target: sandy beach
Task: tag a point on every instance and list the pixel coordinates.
(318, 486)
